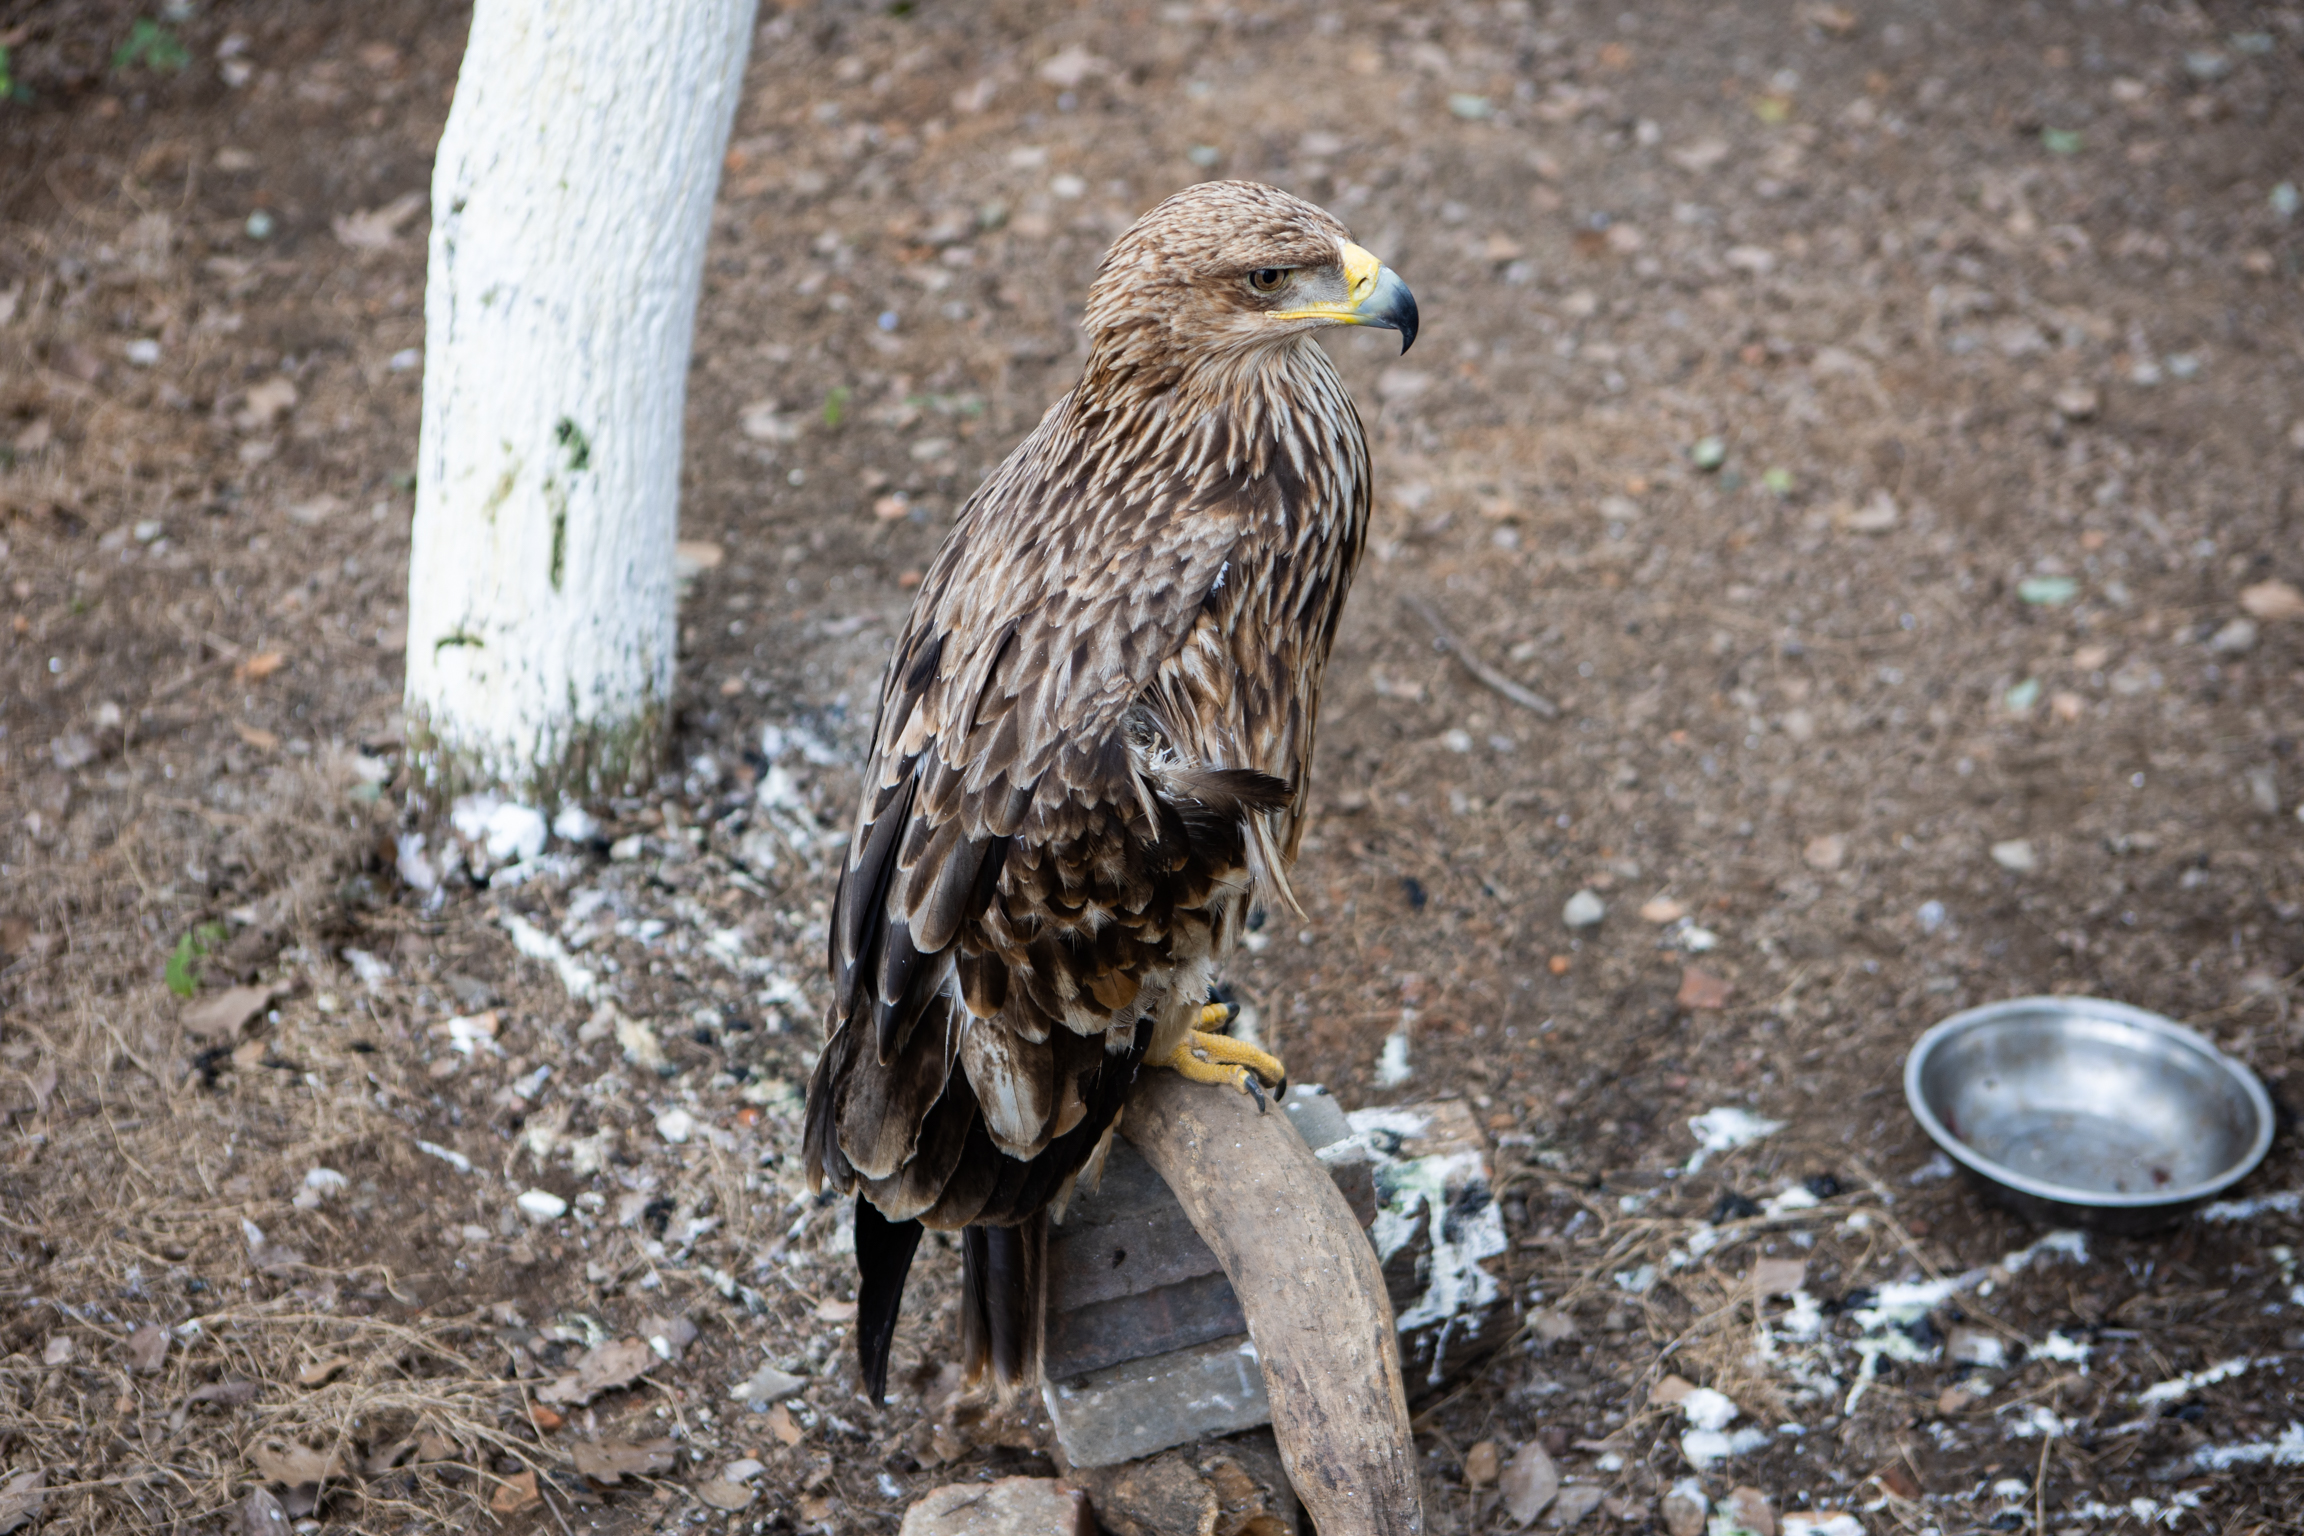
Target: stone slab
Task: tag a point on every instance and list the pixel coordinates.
(1145, 1406)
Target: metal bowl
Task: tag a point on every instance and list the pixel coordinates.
(2079, 1111)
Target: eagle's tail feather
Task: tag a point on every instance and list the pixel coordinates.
(1002, 1273)
(883, 1258)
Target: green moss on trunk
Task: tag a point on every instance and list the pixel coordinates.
(584, 764)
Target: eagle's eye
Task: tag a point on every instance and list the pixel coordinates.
(1268, 279)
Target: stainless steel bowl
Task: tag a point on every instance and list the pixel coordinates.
(2079, 1111)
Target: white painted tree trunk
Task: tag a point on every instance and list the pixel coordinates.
(570, 205)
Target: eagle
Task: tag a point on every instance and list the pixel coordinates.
(1091, 754)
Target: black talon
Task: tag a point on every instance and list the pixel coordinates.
(1255, 1089)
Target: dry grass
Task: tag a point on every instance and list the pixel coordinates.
(131, 1177)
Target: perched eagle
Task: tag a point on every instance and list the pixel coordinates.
(1092, 747)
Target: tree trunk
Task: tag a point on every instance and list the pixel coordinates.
(571, 200)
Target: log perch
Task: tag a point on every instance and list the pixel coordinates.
(1311, 1291)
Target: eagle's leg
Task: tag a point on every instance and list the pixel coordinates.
(1204, 1057)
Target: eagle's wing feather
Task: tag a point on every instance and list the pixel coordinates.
(998, 878)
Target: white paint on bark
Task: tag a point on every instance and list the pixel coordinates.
(571, 200)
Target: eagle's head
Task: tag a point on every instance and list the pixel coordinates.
(1226, 267)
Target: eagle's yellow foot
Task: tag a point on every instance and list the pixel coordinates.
(1210, 1058)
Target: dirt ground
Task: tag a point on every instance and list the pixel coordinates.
(1878, 426)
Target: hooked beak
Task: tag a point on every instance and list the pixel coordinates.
(1374, 296)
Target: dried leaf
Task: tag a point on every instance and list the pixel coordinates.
(1529, 1483)
(692, 557)
(515, 1494)
(1482, 1463)
(608, 1461)
(256, 736)
(146, 1348)
(267, 1256)
(226, 1394)
(377, 229)
(221, 1017)
(1778, 1277)
(721, 1494)
(259, 667)
(266, 403)
(291, 1462)
(617, 1363)
(320, 1372)
(2272, 601)
(781, 1426)
(20, 1499)
(835, 1311)
(544, 1418)
(1700, 989)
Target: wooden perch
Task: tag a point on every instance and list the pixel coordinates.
(1445, 638)
(1310, 1289)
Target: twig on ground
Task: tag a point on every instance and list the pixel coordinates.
(1442, 636)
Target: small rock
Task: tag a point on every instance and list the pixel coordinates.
(575, 824)
(1481, 1464)
(1878, 515)
(1827, 852)
(1575, 1502)
(59, 1350)
(2077, 402)
(1685, 1508)
(260, 1514)
(541, 1205)
(2047, 591)
(1662, 909)
(1709, 1409)
(1822, 1522)
(677, 1125)
(1750, 1509)
(2264, 790)
(668, 1336)
(2274, 602)
(2233, 638)
(766, 1385)
(1584, 910)
(1973, 1346)
(1012, 1506)
(1551, 1325)
(1709, 453)
(2016, 855)
(149, 530)
(1529, 1483)
(743, 1470)
(1931, 916)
